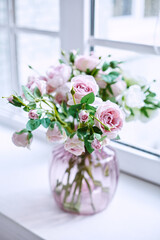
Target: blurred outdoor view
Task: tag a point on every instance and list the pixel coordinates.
(135, 21)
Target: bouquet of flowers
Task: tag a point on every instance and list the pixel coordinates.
(82, 102)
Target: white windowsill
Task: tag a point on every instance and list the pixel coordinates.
(27, 210)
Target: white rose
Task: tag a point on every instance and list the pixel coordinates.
(134, 97)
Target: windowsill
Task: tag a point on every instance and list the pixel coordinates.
(25, 198)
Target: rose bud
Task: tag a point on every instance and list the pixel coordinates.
(96, 145)
(10, 99)
(33, 114)
(54, 135)
(21, 140)
(83, 116)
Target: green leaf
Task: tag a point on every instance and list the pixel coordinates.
(45, 122)
(22, 131)
(97, 130)
(82, 131)
(131, 111)
(102, 138)
(110, 77)
(52, 124)
(32, 105)
(114, 64)
(112, 99)
(71, 57)
(95, 72)
(109, 89)
(88, 99)
(91, 109)
(151, 94)
(64, 107)
(88, 71)
(61, 61)
(144, 112)
(26, 109)
(37, 93)
(33, 124)
(105, 66)
(28, 94)
(88, 144)
(74, 109)
(72, 135)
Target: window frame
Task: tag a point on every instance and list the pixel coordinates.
(122, 45)
(76, 33)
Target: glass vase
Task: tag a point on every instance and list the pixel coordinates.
(83, 184)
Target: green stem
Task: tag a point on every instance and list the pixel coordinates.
(57, 115)
(89, 188)
(106, 127)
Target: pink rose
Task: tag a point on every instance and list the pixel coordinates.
(74, 146)
(36, 82)
(118, 87)
(96, 144)
(54, 135)
(59, 75)
(83, 63)
(62, 93)
(21, 140)
(111, 115)
(33, 114)
(83, 116)
(82, 85)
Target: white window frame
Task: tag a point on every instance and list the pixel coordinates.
(75, 34)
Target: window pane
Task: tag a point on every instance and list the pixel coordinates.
(3, 12)
(38, 14)
(128, 20)
(137, 133)
(39, 51)
(4, 64)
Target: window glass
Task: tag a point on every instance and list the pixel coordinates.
(127, 20)
(39, 51)
(141, 133)
(38, 14)
(4, 63)
(3, 12)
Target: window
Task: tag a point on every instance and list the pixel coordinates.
(128, 30)
(29, 36)
(128, 21)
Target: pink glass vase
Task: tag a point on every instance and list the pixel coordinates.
(85, 184)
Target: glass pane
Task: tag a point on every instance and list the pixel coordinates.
(127, 20)
(39, 51)
(4, 64)
(38, 14)
(137, 133)
(3, 12)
